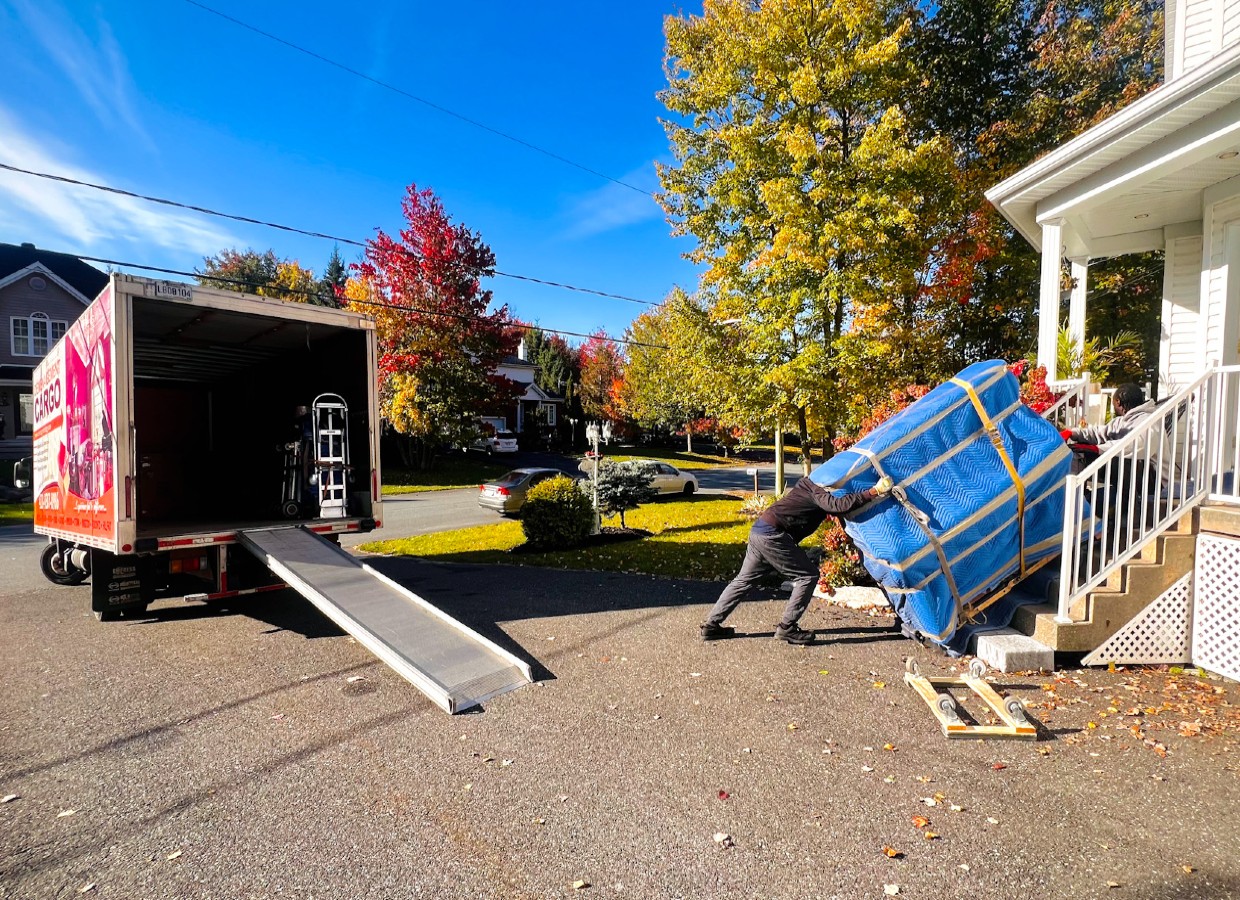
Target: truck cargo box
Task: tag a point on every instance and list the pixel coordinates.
(163, 414)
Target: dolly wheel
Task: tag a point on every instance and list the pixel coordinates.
(1016, 709)
(910, 666)
(291, 509)
(977, 668)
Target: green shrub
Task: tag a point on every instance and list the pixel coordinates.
(556, 514)
(624, 485)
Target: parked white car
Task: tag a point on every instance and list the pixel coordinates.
(670, 480)
(501, 442)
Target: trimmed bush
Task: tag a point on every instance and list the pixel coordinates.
(556, 514)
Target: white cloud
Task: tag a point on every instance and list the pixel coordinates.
(97, 68)
(613, 206)
(86, 218)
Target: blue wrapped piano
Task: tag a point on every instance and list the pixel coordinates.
(978, 502)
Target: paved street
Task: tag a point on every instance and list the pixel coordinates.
(257, 752)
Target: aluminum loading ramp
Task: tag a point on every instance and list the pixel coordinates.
(453, 665)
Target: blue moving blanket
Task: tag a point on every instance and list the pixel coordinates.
(949, 534)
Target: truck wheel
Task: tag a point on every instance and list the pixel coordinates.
(56, 571)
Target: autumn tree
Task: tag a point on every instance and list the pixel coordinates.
(808, 192)
(659, 389)
(440, 342)
(264, 274)
(602, 373)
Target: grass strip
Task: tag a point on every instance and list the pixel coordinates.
(693, 538)
(16, 514)
(445, 475)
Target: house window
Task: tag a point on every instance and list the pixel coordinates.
(34, 335)
(548, 411)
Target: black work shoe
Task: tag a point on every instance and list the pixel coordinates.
(794, 634)
(713, 632)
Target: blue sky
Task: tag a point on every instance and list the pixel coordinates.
(169, 100)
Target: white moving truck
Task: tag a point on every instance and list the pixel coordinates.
(172, 417)
(207, 444)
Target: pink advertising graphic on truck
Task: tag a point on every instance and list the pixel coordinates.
(74, 464)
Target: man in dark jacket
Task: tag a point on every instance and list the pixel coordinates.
(774, 546)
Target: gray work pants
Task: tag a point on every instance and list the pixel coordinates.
(770, 549)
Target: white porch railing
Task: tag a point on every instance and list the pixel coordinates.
(1147, 481)
(1069, 411)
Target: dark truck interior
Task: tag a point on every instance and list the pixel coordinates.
(216, 394)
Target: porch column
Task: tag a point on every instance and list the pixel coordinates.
(1076, 306)
(1048, 306)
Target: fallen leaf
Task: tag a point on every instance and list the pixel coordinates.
(538, 821)
(998, 766)
(892, 852)
(9, 798)
(879, 685)
(867, 768)
(891, 889)
(353, 678)
(792, 726)
(1113, 884)
(724, 795)
(1190, 729)
(723, 840)
(955, 808)
(86, 888)
(173, 855)
(1188, 869)
(889, 747)
(468, 787)
(695, 674)
(930, 835)
(920, 821)
(992, 820)
(929, 801)
(65, 812)
(1044, 751)
(506, 762)
(890, 779)
(925, 779)
(580, 884)
(964, 867)
(823, 672)
(1091, 725)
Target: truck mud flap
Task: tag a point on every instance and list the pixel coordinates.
(453, 665)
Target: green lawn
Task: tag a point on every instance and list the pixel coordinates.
(698, 538)
(16, 514)
(453, 472)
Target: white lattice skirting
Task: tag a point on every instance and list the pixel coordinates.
(1216, 617)
(1159, 634)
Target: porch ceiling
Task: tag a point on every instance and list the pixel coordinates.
(1119, 184)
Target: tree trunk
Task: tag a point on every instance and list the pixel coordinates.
(807, 453)
(688, 437)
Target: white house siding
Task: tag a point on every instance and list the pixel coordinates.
(1179, 350)
(1199, 34)
(1231, 23)
(1221, 255)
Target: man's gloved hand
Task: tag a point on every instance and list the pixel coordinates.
(883, 485)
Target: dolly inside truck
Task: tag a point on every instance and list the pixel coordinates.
(162, 419)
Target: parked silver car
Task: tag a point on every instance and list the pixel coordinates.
(506, 495)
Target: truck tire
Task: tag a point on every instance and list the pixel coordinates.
(55, 570)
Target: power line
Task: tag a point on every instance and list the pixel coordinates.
(318, 296)
(64, 179)
(402, 92)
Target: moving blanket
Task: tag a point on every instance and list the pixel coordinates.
(979, 484)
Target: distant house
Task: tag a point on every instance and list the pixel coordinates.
(41, 294)
(535, 408)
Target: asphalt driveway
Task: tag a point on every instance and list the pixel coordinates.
(259, 753)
